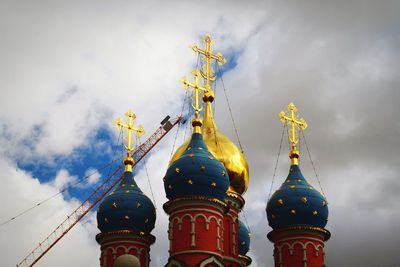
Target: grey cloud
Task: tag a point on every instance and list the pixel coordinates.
(337, 61)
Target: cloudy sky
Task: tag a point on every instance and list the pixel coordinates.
(68, 69)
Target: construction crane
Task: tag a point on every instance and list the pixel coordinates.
(97, 195)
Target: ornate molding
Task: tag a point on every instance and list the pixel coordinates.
(211, 260)
(277, 234)
(192, 219)
(172, 205)
(174, 263)
(196, 252)
(125, 234)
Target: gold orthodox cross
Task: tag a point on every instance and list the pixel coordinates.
(130, 127)
(196, 87)
(291, 118)
(208, 55)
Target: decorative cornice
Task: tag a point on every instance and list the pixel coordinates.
(212, 261)
(192, 218)
(276, 234)
(102, 237)
(197, 252)
(245, 259)
(189, 210)
(231, 259)
(236, 198)
(195, 200)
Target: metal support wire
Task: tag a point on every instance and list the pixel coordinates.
(148, 180)
(138, 154)
(67, 187)
(277, 160)
(177, 130)
(313, 165)
(183, 108)
(115, 151)
(58, 193)
(230, 110)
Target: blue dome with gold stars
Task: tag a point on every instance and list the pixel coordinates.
(196, 173)
(126, 208)
(297, 203)
(244, 239)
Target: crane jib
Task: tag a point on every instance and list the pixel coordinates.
(97, 195)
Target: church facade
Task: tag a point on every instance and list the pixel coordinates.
(204, 184)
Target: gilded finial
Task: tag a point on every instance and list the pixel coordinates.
(291, 118)
(207, 72)
(130, 127)
(197, 106)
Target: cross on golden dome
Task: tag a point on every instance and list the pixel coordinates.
(209, 56)
(291, 118)
(196, 87)
(195, 103)
(129, 125)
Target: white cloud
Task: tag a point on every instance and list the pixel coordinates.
(63, 179)
(68, 69)
(21, 235)
(94, 176)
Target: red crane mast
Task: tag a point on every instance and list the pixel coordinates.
(97, 195)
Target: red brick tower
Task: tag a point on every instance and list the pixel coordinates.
(297, 212)
(196, 185)
(126, 217)
(223, 241)
(231, 230)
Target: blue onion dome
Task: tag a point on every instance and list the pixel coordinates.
(244, 239)
(126, 208)
(196, 173)
(297, 203)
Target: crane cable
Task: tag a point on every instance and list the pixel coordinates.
(148, 180)
(65, 188)
(276, 163)
(183, 108)
(230, 110)
(312, 164)
(177, 130)
(151, 188)
(236, 132)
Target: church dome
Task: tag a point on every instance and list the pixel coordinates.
(244, 239)
(297, 203)
(224, 150)
(127, 260)
(196, 173)
(126, 208)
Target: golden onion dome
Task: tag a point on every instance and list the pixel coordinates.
(222, 148)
